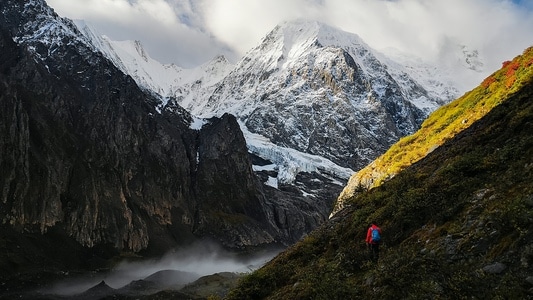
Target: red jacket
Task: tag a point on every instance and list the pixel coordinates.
(369, 233)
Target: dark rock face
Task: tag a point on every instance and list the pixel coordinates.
(86, 158)
(82, 159)
(232, 209)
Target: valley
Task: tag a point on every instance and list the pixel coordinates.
(126, 178)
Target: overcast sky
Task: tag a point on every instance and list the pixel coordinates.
(191, 32)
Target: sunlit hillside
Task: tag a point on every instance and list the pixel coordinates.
(444, 124)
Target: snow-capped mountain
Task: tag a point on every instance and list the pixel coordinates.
(307, 87)
(322, 91)
(296, 50)
(166, 80)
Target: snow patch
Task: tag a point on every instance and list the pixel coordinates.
(290, 162)
(271, 167)
(197, 123)
(272, 181)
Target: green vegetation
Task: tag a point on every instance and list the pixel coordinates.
(456, 225)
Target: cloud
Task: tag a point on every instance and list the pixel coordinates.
(190, 32)
(121, 12)
(498, 28)
(242, 23)
(193, 261)
(171, 31)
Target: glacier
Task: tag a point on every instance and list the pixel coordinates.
(289, 162)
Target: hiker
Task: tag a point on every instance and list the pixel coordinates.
(373, 239)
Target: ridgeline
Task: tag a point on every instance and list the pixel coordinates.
(443, 124)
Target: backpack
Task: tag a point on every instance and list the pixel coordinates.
(376, 237)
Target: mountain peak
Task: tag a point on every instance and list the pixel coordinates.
(295, 38)
(38, 22)
(305, 74)
(309, 29)
(220, 59)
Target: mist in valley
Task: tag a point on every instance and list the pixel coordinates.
(171, 271)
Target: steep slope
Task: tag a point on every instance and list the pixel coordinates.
(456, 224)
(81, 148)
(442, 125)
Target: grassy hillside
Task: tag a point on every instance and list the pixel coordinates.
(444, 124)
(456, 224)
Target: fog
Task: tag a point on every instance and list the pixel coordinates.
(190, 33)
(173, 270)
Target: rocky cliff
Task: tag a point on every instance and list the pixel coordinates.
(88, 162)
(98, 161)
